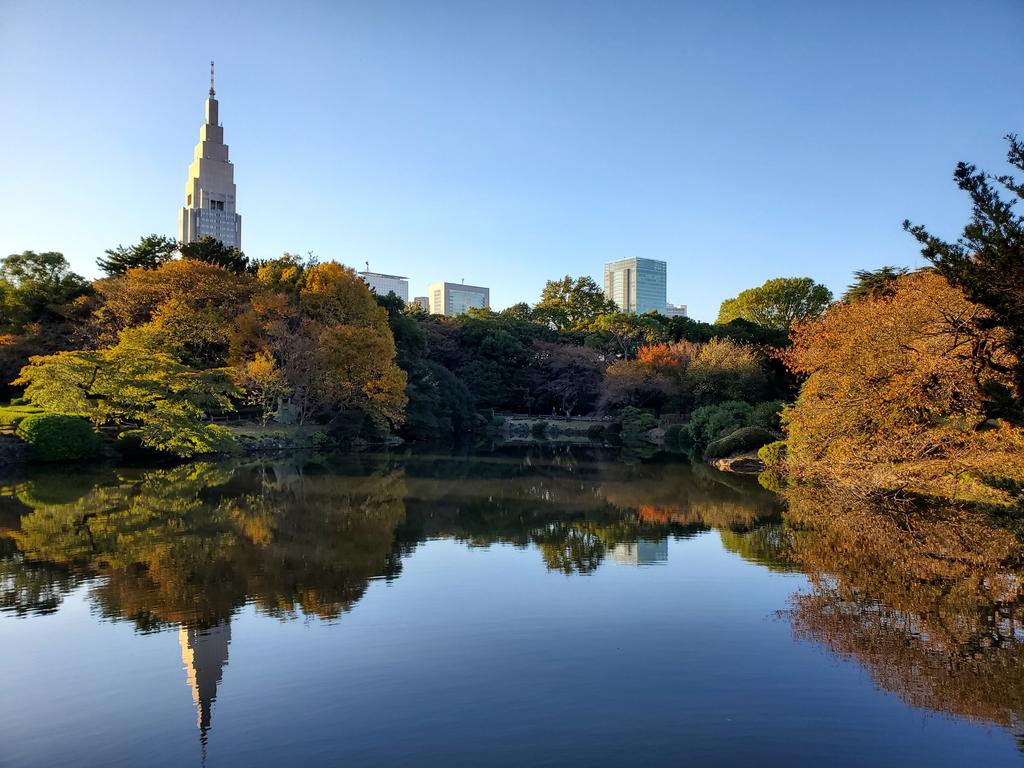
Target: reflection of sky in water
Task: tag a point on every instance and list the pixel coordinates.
(497, 639)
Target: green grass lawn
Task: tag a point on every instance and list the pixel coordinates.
(11, 415)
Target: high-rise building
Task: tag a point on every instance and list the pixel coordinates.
(423, 301)
(210, 189)
(382, 284)
(455, 298)
(636, 285)
(675, 310)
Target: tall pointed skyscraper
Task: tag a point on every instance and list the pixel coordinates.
(210, 189)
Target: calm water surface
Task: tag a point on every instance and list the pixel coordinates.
(520, 607)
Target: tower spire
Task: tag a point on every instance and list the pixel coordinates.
(212, 92)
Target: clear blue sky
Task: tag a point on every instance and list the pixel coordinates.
(511, 142)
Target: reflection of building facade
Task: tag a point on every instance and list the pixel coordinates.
(640, 552)
(636, 285)
(210, 190)
(382, 284)
(204, 652)
(456, 298)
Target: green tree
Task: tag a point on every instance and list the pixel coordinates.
(572, 304)
(33, 287)
(778, 303)
(624, 333)
(874, 283)
(987, 261)
(149, 253)
(518, 311)
(136, 383)
(213, 251)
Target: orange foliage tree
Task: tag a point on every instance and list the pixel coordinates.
(895, 396)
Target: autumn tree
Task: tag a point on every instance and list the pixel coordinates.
(572, 303)
(778, 303)
(263, 383)
(149, 253)
(987, 261)
(684, 375)
(189, 303)
(326, 333)
(896, 395)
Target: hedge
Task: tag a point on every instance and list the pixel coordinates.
(56, 437)
(744, 439)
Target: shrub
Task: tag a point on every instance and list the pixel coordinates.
(744, 439)
(672, 434)
(710, 422)
(636, 421)
(538, 429)
(767, 416)
(772, 454)
(56, 437)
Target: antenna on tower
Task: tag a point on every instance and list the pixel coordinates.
(212, 93)
(367, 266)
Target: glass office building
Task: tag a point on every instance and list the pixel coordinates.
(637, 285)
(382, 284)
(455, 298)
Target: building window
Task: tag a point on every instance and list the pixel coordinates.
(188, 202)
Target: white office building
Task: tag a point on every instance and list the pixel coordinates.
(636, 286)
(210, 189)
(675, 310)
(456, 298)
(382, 284)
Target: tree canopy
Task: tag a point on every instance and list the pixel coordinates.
(35, 286)
(987, 261)
(149, 253)
(213, 251)
(897, 392)
(874, 283)
(571, 304)
(778, 303)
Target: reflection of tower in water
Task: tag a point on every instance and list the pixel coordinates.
(204, 652)
(640, 552)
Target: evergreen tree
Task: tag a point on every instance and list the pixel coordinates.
(874, 283)
(987, 260)
(213, 251)
(149, 253)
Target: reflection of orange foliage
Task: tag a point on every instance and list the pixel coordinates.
(931, 602)
(894, 395)
(651, 514)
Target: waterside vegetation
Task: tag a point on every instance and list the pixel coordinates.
(909, 385)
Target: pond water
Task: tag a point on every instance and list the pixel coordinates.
(517, 607)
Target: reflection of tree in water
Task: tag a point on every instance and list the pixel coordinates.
(930, 602)
(191, 544)
(575, 505)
